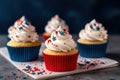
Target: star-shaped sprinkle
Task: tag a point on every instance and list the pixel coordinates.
(53, 38)
(61, 32)
(20, 28)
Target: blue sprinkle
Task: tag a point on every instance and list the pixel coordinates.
(102, 63)
(61, 32)
(26, 22)
(1, 77)
(40, 72)
(28, 67)
(97, 28)
(94, 24)
(91, 26)
(87, 62)
(20, 28)
(53, 38)
(33, 73)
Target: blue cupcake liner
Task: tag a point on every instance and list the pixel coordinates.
(92, 50)
(23, 54)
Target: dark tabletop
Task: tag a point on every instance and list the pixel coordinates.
(9, 72)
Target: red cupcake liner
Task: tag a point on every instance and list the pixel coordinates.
(45, 37)
(60, 63)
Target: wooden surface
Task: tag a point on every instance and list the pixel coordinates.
(9, 72)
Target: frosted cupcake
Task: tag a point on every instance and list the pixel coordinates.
(92, 40)
(24, 44)
(61, 53)
(52, 25)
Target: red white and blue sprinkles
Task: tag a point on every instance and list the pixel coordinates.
(85, 63)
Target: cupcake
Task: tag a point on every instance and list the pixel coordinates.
(52, 25)
(61, 53)
(92, 40)
(24, 44)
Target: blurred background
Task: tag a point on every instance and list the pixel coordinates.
(76, 13)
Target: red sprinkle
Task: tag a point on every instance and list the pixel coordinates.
(49, 40)
(29, 36)
(56, 32)
(36, 69)
(65, 31)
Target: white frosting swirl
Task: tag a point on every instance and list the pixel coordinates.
(54, 23)
(23, 31)
(11, 30)
(60, 40)
(93, 31)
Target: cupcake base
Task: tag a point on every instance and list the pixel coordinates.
(23, 54)
(92, 50)
(60, 63)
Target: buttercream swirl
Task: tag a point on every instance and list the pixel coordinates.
(54, 23)
(60, 40)
(11, 30)
(23, 31)
(93, 31)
